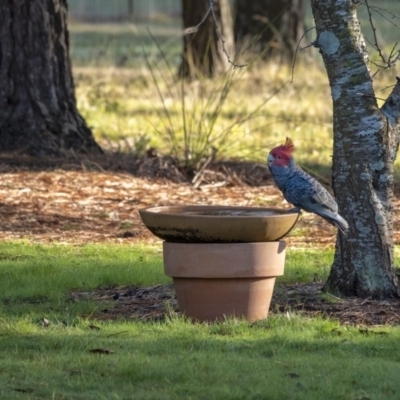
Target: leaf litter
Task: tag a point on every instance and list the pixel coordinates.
(96, 201)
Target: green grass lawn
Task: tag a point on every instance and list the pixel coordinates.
(286, 356)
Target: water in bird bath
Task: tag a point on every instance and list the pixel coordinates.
(233, 213)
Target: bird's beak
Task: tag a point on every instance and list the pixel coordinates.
(270, 159)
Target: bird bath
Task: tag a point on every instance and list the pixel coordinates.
(218, 224)
(223, 260)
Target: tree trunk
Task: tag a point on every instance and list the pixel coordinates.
(38, 113)
(365, 146)
(269, 27)
(130, 9)
(203, 52)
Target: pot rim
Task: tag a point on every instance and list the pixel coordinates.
(224, 260)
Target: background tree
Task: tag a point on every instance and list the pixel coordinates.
(203, 50)
(269, 27)
(366, 140)
(38, 113)
(131, 9)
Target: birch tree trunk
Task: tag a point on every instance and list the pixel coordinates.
(366, 140)
(203, 53)
(38, 113)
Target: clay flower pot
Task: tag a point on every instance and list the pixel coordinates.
(217, 280)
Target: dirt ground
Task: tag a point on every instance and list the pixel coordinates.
(75, 201)
(159, 302)
(80, 201)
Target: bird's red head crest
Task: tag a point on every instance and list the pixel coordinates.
(288, 146)
(281, 156)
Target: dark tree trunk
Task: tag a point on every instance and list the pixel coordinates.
(366, 140)
(38, 113)
(203, 53)
(269, 27)
(130, 9)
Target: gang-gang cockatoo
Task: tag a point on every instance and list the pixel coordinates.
(301, 189)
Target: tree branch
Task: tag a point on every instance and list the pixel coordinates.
(394, 56)
(194, 29)
(298, 48)
(391, 107)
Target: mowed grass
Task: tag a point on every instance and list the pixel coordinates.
(286, 356)
(276, 359)
(44, 275)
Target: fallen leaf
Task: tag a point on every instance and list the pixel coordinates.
(94, 327)
(101, 351)
(26, 390)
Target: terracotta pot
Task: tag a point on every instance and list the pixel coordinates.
(217, 280)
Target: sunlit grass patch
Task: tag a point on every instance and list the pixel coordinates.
(307, 266)
(178, 359)
(41, 273)
(119, 106)
(74, 356)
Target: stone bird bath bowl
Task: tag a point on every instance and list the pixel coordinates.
(218, 224)
(223, 260)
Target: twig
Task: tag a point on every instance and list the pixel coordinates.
(222, 39)
(372, 97)
(117, 333)
(297, 49)
(386, 87)
(195, 28)
(197, 178)
(394, 56)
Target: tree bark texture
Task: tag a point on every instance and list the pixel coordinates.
(38, 113)
(269, 27)
(203, 52)
(366, 140)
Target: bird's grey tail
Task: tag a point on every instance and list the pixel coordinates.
(340, 223)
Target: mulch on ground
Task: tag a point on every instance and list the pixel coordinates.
(97, 200)
(80, 201)
(159, 302)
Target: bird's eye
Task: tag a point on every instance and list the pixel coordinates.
(279, 157)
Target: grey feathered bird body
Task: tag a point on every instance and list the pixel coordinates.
(304, 192)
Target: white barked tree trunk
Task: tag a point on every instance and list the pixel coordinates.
(366, 140)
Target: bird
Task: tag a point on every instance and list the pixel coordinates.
(301, 189)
